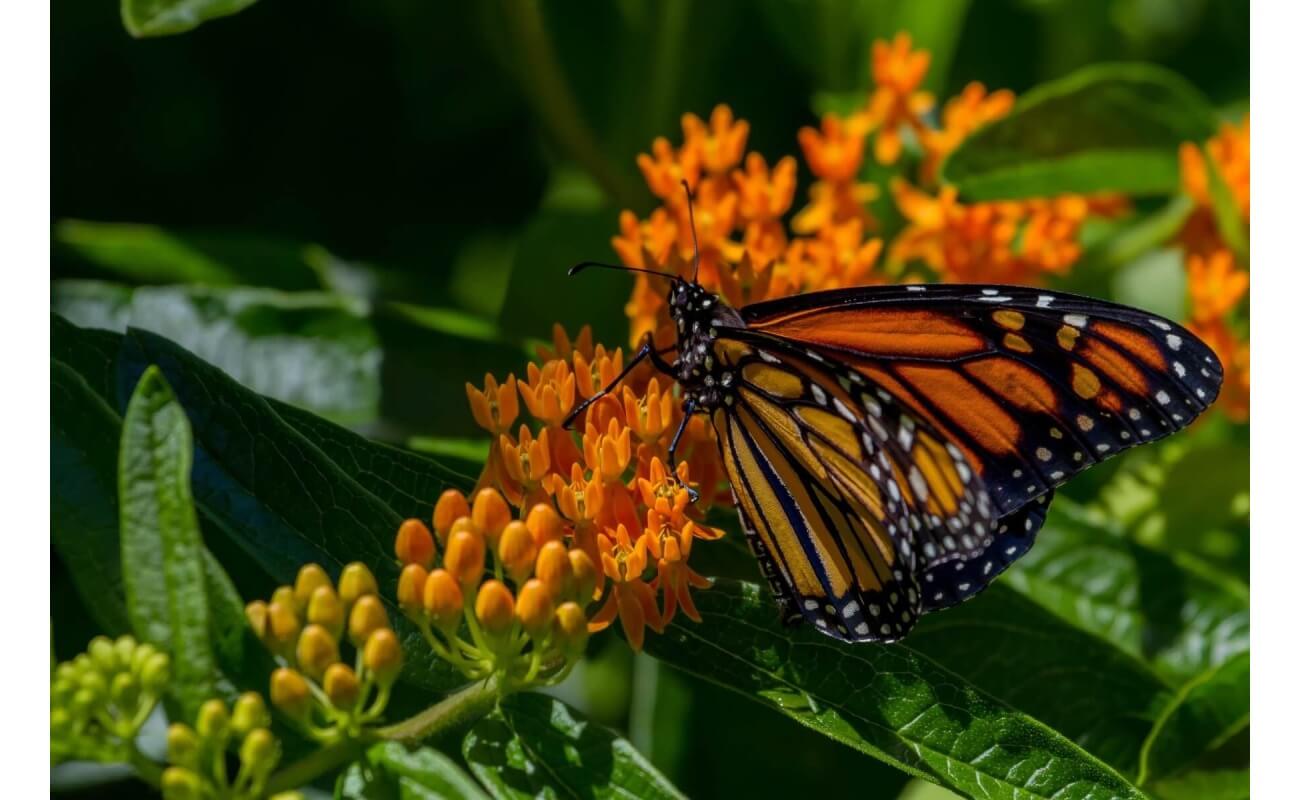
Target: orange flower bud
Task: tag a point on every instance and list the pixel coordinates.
(555, 570)
(414, 544)
(316, 650)
(326, 610)
(465, 523)
(410, 589)
(282, 628)
(545, 525)
(383, 656)
(494, 607)
(310, 577)
(290, 694)
(491, 514)
(341, 686)
(465, 556)
(535, 608)
(356, 581)
(367, 616)
(517, 551)
(570, 629)
(443, 601)
(256, 614)
(586, 576)
(451, 506)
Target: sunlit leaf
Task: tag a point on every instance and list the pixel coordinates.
(162, 17)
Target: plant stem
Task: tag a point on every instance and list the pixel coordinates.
(149, 771)
(469, 703)
(307, 769)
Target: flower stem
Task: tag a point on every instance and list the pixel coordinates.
(469, 703)
(307, 769)
(149, 771)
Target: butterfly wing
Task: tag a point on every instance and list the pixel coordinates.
(848, 500)
(1032, 386)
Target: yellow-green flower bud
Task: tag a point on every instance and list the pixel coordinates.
(290, 693)
(410, 590)
(356, 581)
(316, 650)
(249, 713)
(182, 746)
(258, 617)
(495, 607)
(282, 628)
(259, 753)
(213, 722)
(383, 656)
(571, 629)
(586, 576)
(367, 616)
(124, 692)
(94, 683)
(102, 654)
(535, 608)
(342, 687)
(285, 595)
(179, 783)
(443, 600)
(155, 672)
(310, 578)
(84, 702)
(325, 609)
(123, 650)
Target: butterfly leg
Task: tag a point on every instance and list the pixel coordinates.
(647, 350)
(688, 410)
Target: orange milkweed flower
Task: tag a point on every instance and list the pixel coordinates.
(608, 455)
(655, 236)
(664, 169)
(526, 463)
(549, 393)
(765, 194)
(1215, 285)
(582, 501)
(630, 598)
(668, 539)
(495, 406)
(974, 108)
(1234, 355)
(597, 371)
(564, 348)
(650, 413)
(749, 282)
(835, 152)
(897, 100)
(1230, 151)
(721, 143)
(835, 258)
(834, 202)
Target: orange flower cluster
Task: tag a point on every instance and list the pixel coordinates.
(605, 483)
(748, 255)
(1217, 285)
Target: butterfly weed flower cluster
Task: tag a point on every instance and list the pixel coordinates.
(197, 754)
(1217, 282)
(305, 627)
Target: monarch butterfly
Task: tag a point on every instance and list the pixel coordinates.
(892, 449)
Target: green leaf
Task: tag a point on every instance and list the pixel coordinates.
(162, 552)
(163, 17)
(536, 746)
(307, 348)
(1227, 216)
(390, 770)
(1164, 610)
(1108, 127)
(1209, 709)
(889, 701)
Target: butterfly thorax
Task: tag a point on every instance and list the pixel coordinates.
(699, 315)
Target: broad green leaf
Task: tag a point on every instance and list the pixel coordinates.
(162, 552)
(390, 770)
(308, 348)
(889, 701)
(163, 17)
(1104, 128)
(1164, 610)
(1221, 784)
(1207, 711)
(535, 746)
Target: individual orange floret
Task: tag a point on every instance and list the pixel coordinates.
(765, 194)
(835, 152)
(897, 100)
(721, 143)
(550, 393)
(563, 348)
(665, 169)
(630, 598)
(414, 544)
(581, 498)
(1230, 151)
(837, 257)
(655, 236)
(545, 524)
(670, 546)
(835, 202)
(526, 463)
(495, 407)
(974, 108)
(608, 454)
(1215, 285)
(649, 414)
(595, 373)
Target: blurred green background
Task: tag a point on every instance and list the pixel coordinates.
(399, 186)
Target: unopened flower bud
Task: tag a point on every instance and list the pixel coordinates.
(179, 783)
(285, 596)
(257, 615)
(316, 650)
(355, 582)
(326, 610)
(517, 551)
(282, 628)
(571, 628)
(155, 673)
(585, 576)
(465, 557)
(310, 578)
(124, 649)
(260, 752)
(182, 746)
(341, 686)
(410, 590)
(367, 616)
(464, 524)
(213, 722)
(443, 600)
(84, 701)
(491, 514)
(124, 691)
(535, 608)
(94, 683)
(494, 607)
(102, 654)
(555, 570)
(290, 694)
(383, 656)
(415, 544)
(249, 713)
(450, 507)
(545, 524)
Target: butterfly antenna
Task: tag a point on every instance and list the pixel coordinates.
(576, 268)
(695, 239)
